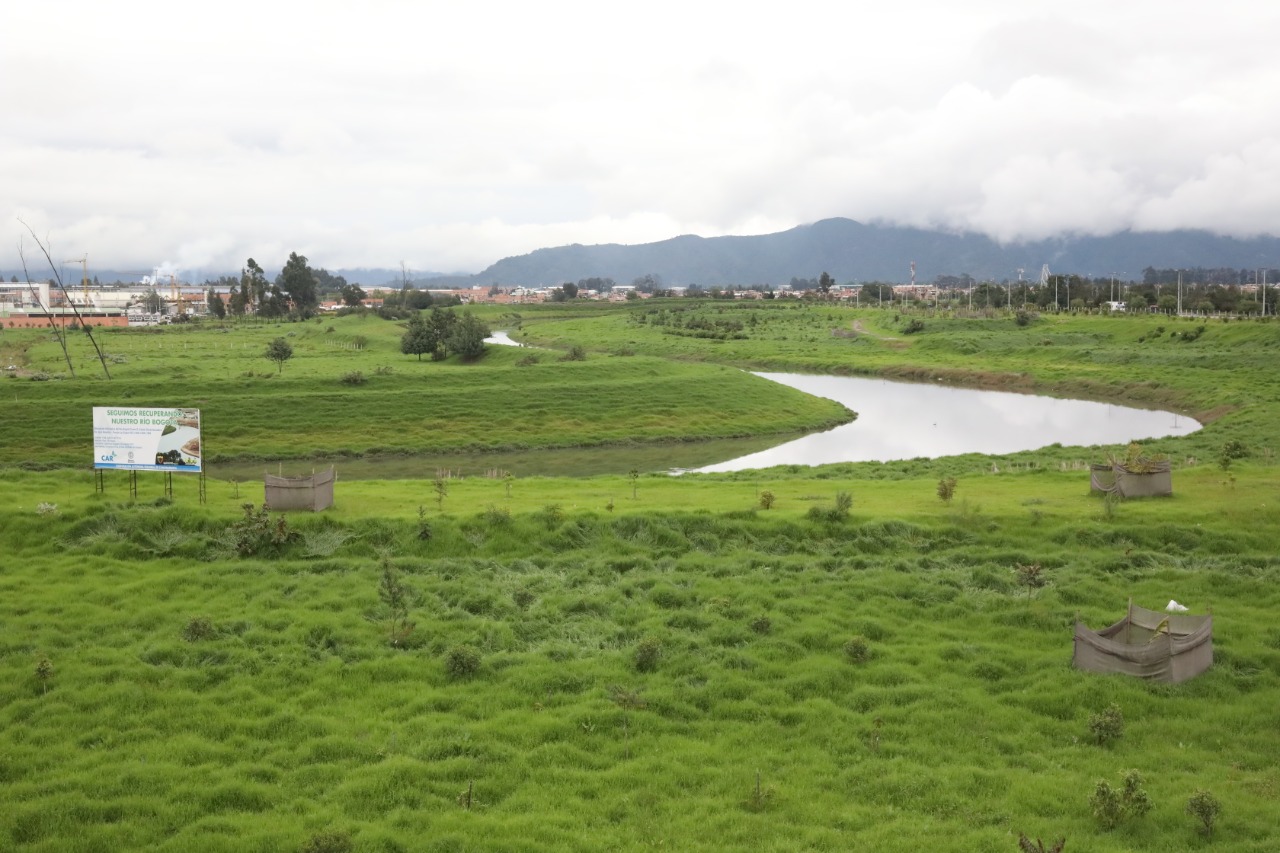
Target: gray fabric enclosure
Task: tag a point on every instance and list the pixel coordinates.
(1132, 484)
(1168, 647)
(313, 492)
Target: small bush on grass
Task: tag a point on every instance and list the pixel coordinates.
(462, 661)
(857, 650)
(355, 377)
(1204, 807)
(1107, 725)
(648, 652)
(946, 489)
(199, 628)
(1112, 807)
(836, 513)
(766, 500)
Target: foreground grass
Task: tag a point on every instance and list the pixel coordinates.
(204, 700)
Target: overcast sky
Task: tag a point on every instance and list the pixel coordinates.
(450, 135)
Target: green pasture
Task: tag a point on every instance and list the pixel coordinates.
(509, 399)
(619, 663)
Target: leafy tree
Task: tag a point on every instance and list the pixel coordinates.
(353, 295)
(274, 304)
(237, 302)
(153, 302)
(570, 290)
(418, 339)
(279, 351)
(216, 306)
(825, 283)
(298, 283)
(253, 284)
(467, 337)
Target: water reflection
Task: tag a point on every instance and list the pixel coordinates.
(899, 420)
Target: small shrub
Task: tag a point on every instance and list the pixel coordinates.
(648, 652)
(523, 598)
(384, 370)
(257, 534)
(1111, 807)
(199, 628)
(329, 841)
(766, 500)
(355, 377)
(46, 509)
(44, 673)
(1031, 576)
(1105, 804)
(528, 360)
(552, 516)
(462, 661)
(857, 650)
(575, 353)
(1204, 807)
(759, 798)
(1024, 317)
(946, 489)
(424, 526)
(1107, 725)
(762, 624)
(836, 513)
(394, 595)
(913, 327)
(497, 516)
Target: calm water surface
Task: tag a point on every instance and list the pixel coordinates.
(901, 420)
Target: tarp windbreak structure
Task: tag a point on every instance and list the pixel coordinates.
(313, 492)
(1154, 480)
(1169, 647)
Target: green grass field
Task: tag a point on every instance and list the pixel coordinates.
(608, 664)
(510, 399)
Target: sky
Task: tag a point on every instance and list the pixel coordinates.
(446, 136)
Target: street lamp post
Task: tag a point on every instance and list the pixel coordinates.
(1179, 293)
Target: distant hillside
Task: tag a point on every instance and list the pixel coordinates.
(851, 251)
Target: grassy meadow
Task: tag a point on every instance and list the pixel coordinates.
(609, 663)
(316, 404)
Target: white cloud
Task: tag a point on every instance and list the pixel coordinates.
(451, 137)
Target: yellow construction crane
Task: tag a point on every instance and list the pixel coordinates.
(83, 261)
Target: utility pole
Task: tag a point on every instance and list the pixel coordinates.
(1179, 293)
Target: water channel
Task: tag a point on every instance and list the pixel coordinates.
(896, 420)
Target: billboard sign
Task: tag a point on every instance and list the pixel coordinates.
(146, 439)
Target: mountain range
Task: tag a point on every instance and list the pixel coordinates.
(851, 252)
(855, 252)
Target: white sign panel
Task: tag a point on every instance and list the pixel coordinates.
(146, 439)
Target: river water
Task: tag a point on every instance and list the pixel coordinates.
(903, 420)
